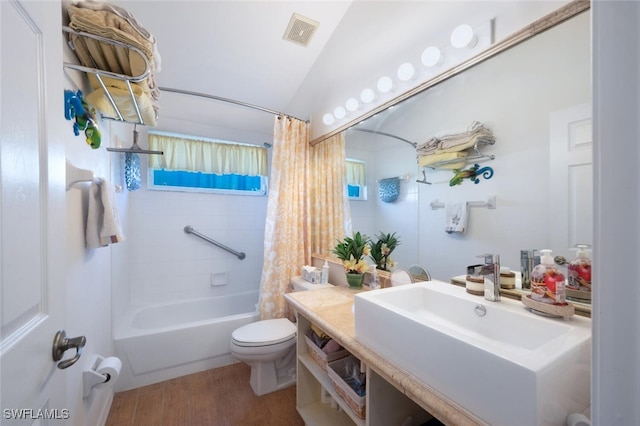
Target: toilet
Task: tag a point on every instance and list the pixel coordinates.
(269, 348)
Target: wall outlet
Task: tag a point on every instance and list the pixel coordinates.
(219, 278)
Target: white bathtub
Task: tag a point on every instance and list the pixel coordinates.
(169, 340)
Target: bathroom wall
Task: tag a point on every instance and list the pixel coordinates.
(88, 276)
(163, 263)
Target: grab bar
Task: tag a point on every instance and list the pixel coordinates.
(189, 230)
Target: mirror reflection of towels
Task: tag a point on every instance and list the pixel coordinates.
(456, 217)
(389, 189)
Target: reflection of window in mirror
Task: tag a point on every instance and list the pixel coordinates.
(356, 179)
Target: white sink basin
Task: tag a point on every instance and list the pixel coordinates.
(508, 366)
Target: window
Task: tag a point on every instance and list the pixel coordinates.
(203, 165)
(356, 179)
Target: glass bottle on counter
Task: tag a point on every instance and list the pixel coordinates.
(548, 281)
(579, 270)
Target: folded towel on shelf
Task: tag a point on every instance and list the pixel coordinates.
(108, 25)
(116, 10)
(117, 59)
(457, 142)
(103, 224)
(121, 97)
(427, 160)
(456, 217)
(428, 147)
(115, 23)
(477, 133)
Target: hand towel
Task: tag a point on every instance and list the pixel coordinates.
(456, 217)
(389, 189)
(132, 171)
(103, 225)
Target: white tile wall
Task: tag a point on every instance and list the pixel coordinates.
(168, 264)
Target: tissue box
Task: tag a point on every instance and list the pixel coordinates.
(311, 274)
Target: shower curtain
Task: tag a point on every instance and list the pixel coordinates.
(330, 211)
(307, 211)
(286, 238)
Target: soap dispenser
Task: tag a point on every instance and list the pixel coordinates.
(548, 281)
(579, 270)
(324, 274)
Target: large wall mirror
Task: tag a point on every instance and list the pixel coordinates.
(535, 97)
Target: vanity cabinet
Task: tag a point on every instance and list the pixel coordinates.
(385, 405)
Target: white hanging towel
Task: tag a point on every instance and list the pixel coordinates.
(103, 225)
(456, 216)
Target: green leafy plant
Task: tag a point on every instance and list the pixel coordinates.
(382, 249)
(351, 250)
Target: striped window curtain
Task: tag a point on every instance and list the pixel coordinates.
(207, 156)
(355, 173)
(286, 235)
(330, 211)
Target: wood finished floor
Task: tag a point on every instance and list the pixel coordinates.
(218, 397)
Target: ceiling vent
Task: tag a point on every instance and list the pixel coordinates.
(300, 29)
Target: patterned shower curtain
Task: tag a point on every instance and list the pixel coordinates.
(330, 211)
(286, 238)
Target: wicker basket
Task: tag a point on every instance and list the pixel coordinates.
(353, 400)
(320, 357)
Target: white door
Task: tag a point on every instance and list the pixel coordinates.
(32, 213)
(571, 179)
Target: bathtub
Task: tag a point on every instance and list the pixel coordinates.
(169, 340)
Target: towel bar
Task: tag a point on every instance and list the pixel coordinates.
(490, 203)
(76, 175)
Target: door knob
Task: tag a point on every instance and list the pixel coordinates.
(60, 345)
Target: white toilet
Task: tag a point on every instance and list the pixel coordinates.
(269, 348)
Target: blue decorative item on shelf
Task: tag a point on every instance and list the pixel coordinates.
(132, 171)
(389, 189)
(472, 174)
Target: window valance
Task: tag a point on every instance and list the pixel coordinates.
(355, 173)
(196, 155)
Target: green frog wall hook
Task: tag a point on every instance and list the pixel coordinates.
(77, 109)
(472, 174)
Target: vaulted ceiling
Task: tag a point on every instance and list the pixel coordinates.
(235, 49)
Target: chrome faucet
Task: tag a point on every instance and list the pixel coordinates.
(491, 272)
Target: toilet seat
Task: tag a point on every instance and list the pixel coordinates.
(264, 333)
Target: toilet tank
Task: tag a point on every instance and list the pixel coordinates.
(300, 284)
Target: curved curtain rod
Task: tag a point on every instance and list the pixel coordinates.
(413, 144)
(231, 101)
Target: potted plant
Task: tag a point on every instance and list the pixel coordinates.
(382, 249)
(352, 250)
